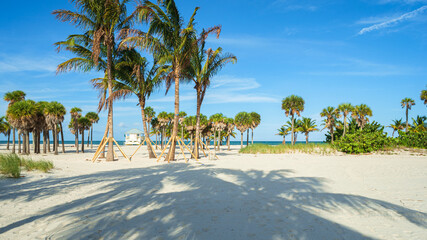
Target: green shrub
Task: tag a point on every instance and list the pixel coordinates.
(10, 165)
(362, 142)
(278, 149)
(42, 165)
(413, 139)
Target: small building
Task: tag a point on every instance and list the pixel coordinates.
(134, 137)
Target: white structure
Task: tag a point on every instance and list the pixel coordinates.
(134, 137)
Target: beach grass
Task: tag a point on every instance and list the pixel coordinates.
(11, 164)
(311, 148)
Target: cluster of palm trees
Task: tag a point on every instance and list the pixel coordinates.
(108, 42)
(418, 123)
(80, 124)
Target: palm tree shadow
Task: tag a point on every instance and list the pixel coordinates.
(195, 202)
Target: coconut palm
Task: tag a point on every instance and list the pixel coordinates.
(103, 19)
(407, 103)
(170, 41)
(13, 97)
(256, 120)
(54, 112)
(419, 124)
(331, 115)
(135, 77)
(76, 114)
(203, 66)
(396, 126)
(83, 124)
(308, 125)
(94, 118)
(164, 119)
(423, 96)
(293, 105)
(242, 121)
(283, 131)
(360, 113)
(345, 109)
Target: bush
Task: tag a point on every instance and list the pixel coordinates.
(413, 139)
(42, 165)
(362, 142)
(278, 149)
(10, 165)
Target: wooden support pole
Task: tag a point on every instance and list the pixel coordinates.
(149, 142)
(188, 149)
(100, 148)
(121, 150)
(137, 149)
(182, 150)
(163, 151)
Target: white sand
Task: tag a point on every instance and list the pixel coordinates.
(237, 197)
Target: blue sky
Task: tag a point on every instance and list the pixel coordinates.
(327, 51)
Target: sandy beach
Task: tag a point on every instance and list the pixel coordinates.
(289, 196)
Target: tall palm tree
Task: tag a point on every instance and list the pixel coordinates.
(135, 77)
(293, 105)
(407, 103)
(76, 114)
(94, 118)
(283, 131)
(83, 124)
(256, 120)
(103, 19)
(170, 41)
(13, 97)
(423, 96)
(308, 125)
(54, 112)
(396, 126)
(203, 66)
(243, 122)
(331, 115)
(361, 113)
(345, 109)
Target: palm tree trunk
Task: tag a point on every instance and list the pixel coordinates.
(332, 134)
(55, 138)
(197, 137)
(157, 143)
(147, 133)
(28, 142)
(284, 140)
(48, 140)
(62, 137)
(110, 151)
(14, 139)
(88, 137)
(19, 142)
(162, 137)
(8, 139)
(247, 137)
(407, 123)
(345, 124)
(44, 141)
(34, 142)
(91, 136)
(76, 135)
(292, 134)
(241, 140)
(228, 142)
(214, 132)
(83, 141)
(171, 154)
(252, 137)
(392, 135)
(24, 145)
(219, 140)
(306, 138)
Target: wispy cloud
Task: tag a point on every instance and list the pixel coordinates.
(393, 21)
(295, 5)
(20, 63)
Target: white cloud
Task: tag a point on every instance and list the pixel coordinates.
(393, 21)
(122, 125)
(19, 63)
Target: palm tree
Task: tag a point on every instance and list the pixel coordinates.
(94, 118)
(76, 114)
(243, 122)
(283, 131)
(83, 124)
(331, 115)
(13, 97)
(171, 43)
(229, 130)
(293, 105)
(256, 120)
(5, 128)
(203, 66)
(308, 125)
(345, 109)
(149, 115)
(103, 19)
(360, 113)
(164, 120)
(396, 126)
(54, 112)
(182, 116)
(423, 96)
(136, 78)
(217, 124)
(407, 103)
(419, 124)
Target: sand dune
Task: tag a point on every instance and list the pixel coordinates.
(237, 197)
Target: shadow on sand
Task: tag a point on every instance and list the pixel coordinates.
(201, 202)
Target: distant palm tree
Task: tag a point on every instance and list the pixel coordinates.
(83, 124)
(22, 116)
(243, 122)
(308, 125)
(181, 118)
(256, 120)
(13, 97)
(396, 126)
(293, 105)
(345, 109)
(360, 113)
(149, 115)
(103, 19)
(94, 118)
(76, 114)
(331, 115)
(407, 103)
(283, 131)
(229, 130)
(5, 129)
(164, 119)
(170, 41)
(424, 96)
(54, 112)
(218, 125)
(419, 124)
